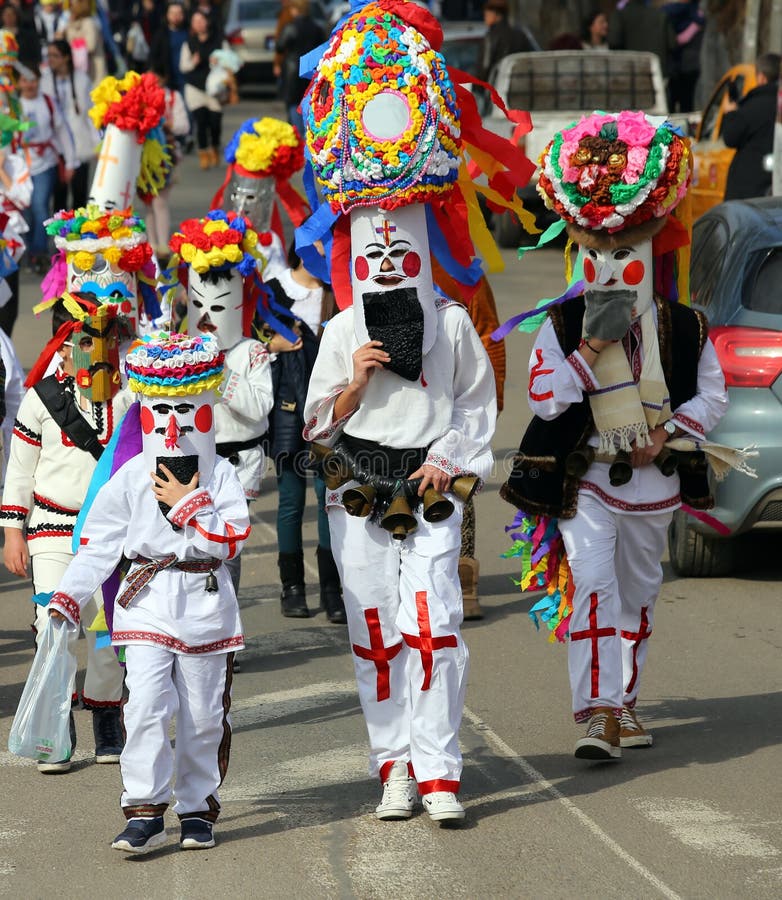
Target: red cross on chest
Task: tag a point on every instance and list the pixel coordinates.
(378, 653)
(424, 642)
(637, 636)
(593, 633)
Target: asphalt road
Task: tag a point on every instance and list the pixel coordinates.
(695, 816)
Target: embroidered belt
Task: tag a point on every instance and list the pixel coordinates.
(144, 573)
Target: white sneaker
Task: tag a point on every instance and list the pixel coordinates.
(399, 793)
(442, 806)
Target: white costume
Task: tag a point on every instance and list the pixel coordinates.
(176, 611)
(404, 611)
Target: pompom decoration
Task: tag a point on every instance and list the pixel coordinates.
(133, 103)
(377, 52)
(174, 365)
(119, 237)
(222, 240)
(266, 148)
(610, 172)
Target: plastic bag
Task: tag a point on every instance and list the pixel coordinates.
(41, 725)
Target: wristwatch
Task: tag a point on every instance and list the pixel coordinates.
(670, 427)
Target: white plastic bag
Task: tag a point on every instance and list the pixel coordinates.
(41, 725)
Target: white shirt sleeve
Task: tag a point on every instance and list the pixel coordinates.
(699, 415)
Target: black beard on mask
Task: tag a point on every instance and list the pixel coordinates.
(396, 319)
(181, 467)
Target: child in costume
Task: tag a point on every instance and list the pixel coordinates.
(176, 511)
(618, 370)
(62, 426)
(402, 387)
(217, 258)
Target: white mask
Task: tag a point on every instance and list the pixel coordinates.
(173, 428)
(216, 308)
(390, 255)
(117, 168)
(626, 268)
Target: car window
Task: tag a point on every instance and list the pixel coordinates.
(257, 10)
(709, 118)
(761, 291)
(464, 54)
(708, 253)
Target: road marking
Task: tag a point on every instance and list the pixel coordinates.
(507, 752)
(705, 827)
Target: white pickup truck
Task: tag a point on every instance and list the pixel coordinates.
(557, 88)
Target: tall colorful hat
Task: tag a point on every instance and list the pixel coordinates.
(389, 124)
(133, 157)
(174, 365)
(106, 254)
(619, 177)
(262, 156)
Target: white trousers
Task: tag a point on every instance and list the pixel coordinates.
(404, 608)
(617, 573)
(198, 690)
(104, 675)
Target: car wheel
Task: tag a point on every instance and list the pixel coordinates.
(696, 555)
(508, 230)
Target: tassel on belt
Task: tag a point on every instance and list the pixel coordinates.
(144, 573)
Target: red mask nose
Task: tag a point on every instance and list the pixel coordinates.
(172, 433)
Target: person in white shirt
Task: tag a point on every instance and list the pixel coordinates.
(70, 89)
(46, 141)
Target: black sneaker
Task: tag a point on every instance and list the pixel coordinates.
(196, 834)
(109, 740)
(141, 835)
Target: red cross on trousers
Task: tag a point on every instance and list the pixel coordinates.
(424, 642)
(378, 653)
(593, 633)
(386, 229)
(637, 636)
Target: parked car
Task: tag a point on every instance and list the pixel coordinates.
(557, 88)
(712, 158)
(251, 28)
(736, 273)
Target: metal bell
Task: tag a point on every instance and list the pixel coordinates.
(436, 507)
(465, 486)
(578, 461)
(211, 583)
(621, 469)
(358, 501)
(399, 518)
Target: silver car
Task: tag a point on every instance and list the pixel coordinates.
(736, 280)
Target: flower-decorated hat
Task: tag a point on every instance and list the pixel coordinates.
(106, 254)
(174, 365)
(389, 124)
(133, 157)
(220, 241)
(614, 174)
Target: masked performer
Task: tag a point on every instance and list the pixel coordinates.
(63, 424)
(615, 373)
(402, 387)
(175, 511)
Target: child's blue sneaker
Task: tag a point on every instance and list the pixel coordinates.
(141, 835)
(196, 834)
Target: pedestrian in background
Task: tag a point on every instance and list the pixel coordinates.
(14, 20)
(165, 50)
(296, 39)
(502, 38)
(207, 111)
(83, 33)
(643, 28)
(685, 63)
(70, 89)
(748, 126)
(595, 32)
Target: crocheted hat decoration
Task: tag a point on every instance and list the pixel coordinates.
(266, 148)
(136, 105)
(167, 364)
(388, 124)
(218, 242)
(612, 173)
(9, 48)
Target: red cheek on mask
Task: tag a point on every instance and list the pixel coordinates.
(634, 272)
(411, 265)
(361, 267)
(203, 419)
(147, 420)
(589, 270)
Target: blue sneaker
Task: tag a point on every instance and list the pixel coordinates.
(141, 835)
(196, 834)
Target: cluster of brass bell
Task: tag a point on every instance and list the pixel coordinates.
(621, 470)
(398, 518)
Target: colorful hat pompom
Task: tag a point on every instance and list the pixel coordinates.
(165, 364)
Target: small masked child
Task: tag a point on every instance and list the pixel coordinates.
(176, 511)
(62, 426)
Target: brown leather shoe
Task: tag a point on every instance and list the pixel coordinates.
(468, 577)
(204, 158)
(214, 157)
(631, 732)
(602, 738)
